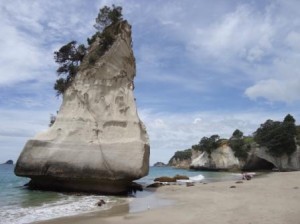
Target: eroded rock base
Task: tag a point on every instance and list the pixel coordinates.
(109, 187)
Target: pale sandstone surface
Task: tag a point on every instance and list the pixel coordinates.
(97, 143)
(273, 199)
(223, 158)
(220, 159)
(185, 163)
(284, 162)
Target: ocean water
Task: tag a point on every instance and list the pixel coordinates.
(19, 205)
(204, 176)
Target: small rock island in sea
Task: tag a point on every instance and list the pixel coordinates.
(97, 142)
(9, 162)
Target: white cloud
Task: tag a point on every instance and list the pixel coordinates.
(236, 36)
(30, 30)
(293, 40)
(275, 90)
(263, 46)
(23, 122)
(283, 79)
(20, 58)
(240, 44)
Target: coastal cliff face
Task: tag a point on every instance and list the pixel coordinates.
(220, 159)
(259, 157)
(178, 163)
(223, 158)
(184, 161)
(97, 143)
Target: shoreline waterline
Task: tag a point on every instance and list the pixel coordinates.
(149, 199)
(26, 206)
(130, 205)
(272, 199)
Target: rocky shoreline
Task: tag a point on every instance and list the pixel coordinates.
(219, 202)
(223, 159)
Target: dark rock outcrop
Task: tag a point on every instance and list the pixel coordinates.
(159, 164)
(9, 162)
(171, 179)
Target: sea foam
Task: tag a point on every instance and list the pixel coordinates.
(197, 178)
(72, 205)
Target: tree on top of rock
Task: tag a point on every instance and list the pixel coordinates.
(237, 144)
(289, 118)
(69, 58)
(278, 137)
(209, 144)
(237, 134)
(290, 126)
(108, 16)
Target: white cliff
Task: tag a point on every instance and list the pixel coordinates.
(260, 158)
(97, 143)
(221, 158)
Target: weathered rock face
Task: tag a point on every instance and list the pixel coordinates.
(258, 159)
(220, 159)
(183, 163)
(261, 159)
(97, 143)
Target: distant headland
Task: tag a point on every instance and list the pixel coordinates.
(275, 145)
(9, 162)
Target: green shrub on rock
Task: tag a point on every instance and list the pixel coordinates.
(278, 137)
(182, 155)
(70, 56)
(238, 145)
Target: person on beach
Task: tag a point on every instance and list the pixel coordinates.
(246, 176)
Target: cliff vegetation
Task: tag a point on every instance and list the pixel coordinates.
(70, 56)
(181, 155)
(279, 137)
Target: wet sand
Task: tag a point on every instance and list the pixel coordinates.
(272, 199)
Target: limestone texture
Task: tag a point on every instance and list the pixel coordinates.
(183, 163)
(220, 159)
(260, 159)
(223, 158)
(97, 143)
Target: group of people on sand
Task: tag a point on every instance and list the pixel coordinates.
(247, 176)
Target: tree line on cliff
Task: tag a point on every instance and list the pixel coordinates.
(70, 56)
(279, 137)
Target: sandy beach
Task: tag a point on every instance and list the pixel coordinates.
(272, 199)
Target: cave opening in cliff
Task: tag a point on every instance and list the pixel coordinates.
(261, 164)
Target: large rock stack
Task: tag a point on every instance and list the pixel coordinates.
(97, 143)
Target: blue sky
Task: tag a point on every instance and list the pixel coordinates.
(203, 67)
